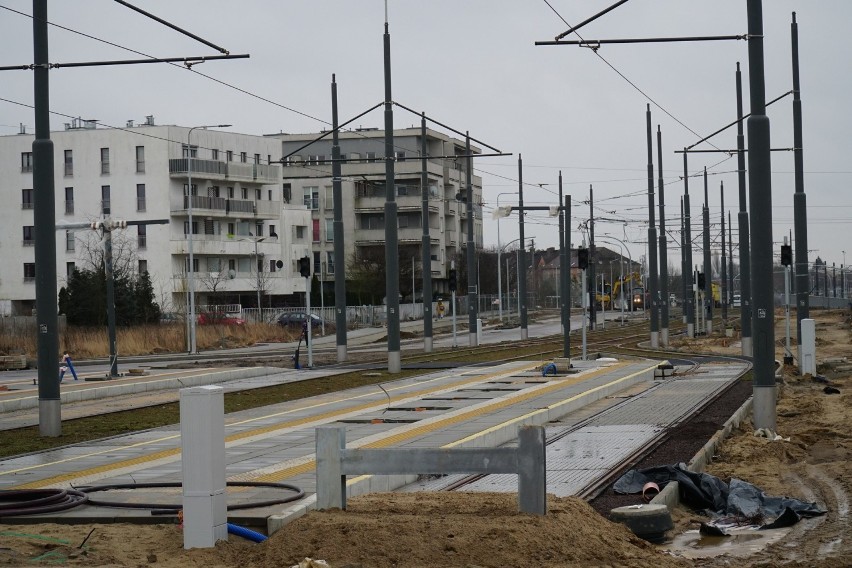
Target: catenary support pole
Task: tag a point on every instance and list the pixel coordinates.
(653, 284)
(590, 277)
(339, 235)
(564, 268)
(44, 216)
(760, 196)
(743, 225)
(566, 278)
(426, 246)
(391, 231)
(708, 265)
(723, 298)
(522, 254)
(684, 268)
(106, 234)
(470, 249)
(730, 263)
(689, 299)
(664, 256)
(800, 212)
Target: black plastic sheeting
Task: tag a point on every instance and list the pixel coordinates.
(705, 492)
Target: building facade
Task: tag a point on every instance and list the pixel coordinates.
(244, 236)
(307, 180)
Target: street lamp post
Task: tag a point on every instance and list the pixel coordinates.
(518, 266)
(257, 267)
(499, 277)
(191, 269)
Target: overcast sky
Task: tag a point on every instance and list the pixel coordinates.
(472, 64)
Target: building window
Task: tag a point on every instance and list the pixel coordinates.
(26, 199)
(316, 230)
(69, 200)
(69, 241)
(258, 194)
(104, 160)
(311, 197)
(286, 190)
(194, 189)
(260, 265)
(329, 230)
(243, 157)
(141, 236)
(69, 163)
(140, 159)
(272, 266)
(231, 230)
(400, 156)
(258, 228)
(272, 232)
(371, 157)
(189, 151)
(269, 194)
(29, 272)
(195, 265)
(232, 264)
(230, 193)
(29, 236)
(229, 156)
(105, 208)
(300, 232)
(257, 158)
(143, 266)
(329, 262)
(140, 197)
(245, 194)
(70, 267)
(194, 227)
(214, 154)
(317, 268)
(329, 197)
(26, 162)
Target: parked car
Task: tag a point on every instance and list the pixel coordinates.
(168, 318)
(297, 319)
(205, 318)
(737, 301)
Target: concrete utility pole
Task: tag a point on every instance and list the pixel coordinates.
(800, 212)
(664, 257)
(44, 216)
(684, 268)
(730, 262)
(391, 231)
(653, 284)
(743, 224)
(708, 267)
(472, 276)
(522, 260)
(760, 195)
(339, 236)
(426, 246)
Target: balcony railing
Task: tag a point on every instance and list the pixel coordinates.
(260, 173)
(69, 170)
(26, 205)
(140, 204)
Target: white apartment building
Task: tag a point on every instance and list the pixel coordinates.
(307, 177)
(244, 234)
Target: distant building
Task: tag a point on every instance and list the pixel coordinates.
(307, 177)
(243, 232)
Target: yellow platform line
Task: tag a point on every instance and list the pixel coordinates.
(62, 478)
(442, 423)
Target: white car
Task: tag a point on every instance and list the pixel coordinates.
(737, 301)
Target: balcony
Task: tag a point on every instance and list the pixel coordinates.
(221, 245)
(223, 207)
(218, 170)
(377, 236)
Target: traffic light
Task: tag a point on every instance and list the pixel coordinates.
(583, 258)
(786, 255)
(702, 284)
(305, 267)
(453, 280)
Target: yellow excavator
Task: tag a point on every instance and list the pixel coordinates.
(627, 291)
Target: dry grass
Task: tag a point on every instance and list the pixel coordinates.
(85, 343)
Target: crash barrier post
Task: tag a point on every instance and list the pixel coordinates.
(202, 438)
(335, 462)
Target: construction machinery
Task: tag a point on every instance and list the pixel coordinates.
(628, 291)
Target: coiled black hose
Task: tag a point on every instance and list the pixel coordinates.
(18, 502)
(298, 494)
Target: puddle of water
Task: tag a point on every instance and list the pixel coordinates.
(741, 542)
